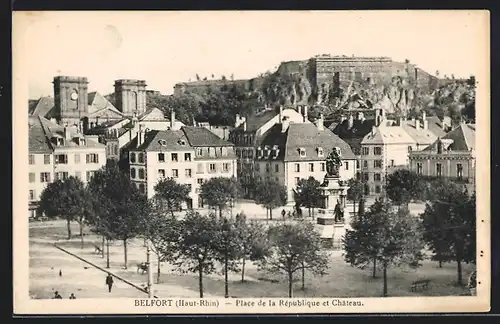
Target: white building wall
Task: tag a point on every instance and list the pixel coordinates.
(77, 165)
(39, 166)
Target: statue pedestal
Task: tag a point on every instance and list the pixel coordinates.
(332, 228)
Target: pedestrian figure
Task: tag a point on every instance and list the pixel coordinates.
(289, 214)
(109, 281)
(60, 273)
(72, 296)
(283, 213)
(57, 296)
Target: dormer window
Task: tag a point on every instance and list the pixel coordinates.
(321, 153)
(81, 141)
(182, 142)
(302, 152)
(162, 142)
(259, 152)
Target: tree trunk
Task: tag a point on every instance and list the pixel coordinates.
(270, 214)
(102, 247)
(107, 253)
(226, 281)
(440, 263)
(243, 269)
(303, 279)
(374, 275)
(459, 271)
(290, 284)
(200, 279)
(385, 279)
(309, 211)
(125, 253)
(158, 271)
(220, 212)
(354, 207)
(81, 235)
(68, 224)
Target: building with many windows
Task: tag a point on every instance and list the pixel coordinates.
(57, 152)
(451, 156)
(291, 151)
(190, 155)
(387, 147)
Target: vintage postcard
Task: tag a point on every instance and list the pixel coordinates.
(251, 162)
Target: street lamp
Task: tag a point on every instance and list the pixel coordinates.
(226, 227)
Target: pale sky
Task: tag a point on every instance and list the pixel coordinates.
(164, 48)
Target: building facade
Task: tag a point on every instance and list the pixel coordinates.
(56, 153)
(451, 156)
(292, 151)
(190, 155)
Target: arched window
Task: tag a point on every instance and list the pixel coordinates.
(141, 173)
(132, 157)
(132, 173)
(141, 158)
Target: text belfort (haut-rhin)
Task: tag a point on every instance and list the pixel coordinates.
(241, 303)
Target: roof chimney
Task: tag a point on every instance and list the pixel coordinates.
(374, 130)
(401, 120)
(237, 122)
(284, 124)
(172, 119)
(305, 113)
(424, 115)
(245, 125)
(350, 122)
(281, 114)
(417, 124)
(320, 123)
(140, 136)
(67, 133)
(299, 109)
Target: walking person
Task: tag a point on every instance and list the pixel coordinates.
(57, 295)
(109, 282)
(72, 296)
(283, 213)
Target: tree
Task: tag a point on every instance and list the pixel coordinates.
(404, 185)
(385, 236)
(355, 192)
(162, 231)
(196, 250)
(172, 193)
(295, 247)
(124, 208)
(308, 194)
(69, 199)
(218, 192)
(449, 223)
(254, 245)
(270, 194)
(228, 248)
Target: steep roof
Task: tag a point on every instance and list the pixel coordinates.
(51, 129)
(436, 126)
(185, 138)
(461, 138)
(306, 136)
(37, 140)
(257, 121)
(42, 107)
(388, 135)
(420, 135)
(200, 136)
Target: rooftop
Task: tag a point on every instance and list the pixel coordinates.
(460, 139)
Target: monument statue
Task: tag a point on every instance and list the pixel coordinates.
(339, 213)
(333, 162)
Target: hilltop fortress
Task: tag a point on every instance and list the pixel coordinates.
(326, 73)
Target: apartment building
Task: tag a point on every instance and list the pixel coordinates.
(57, 152)
(189, 154)
(451, 156)
(292, 151)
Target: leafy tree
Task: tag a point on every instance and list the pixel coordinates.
(449, 223)
(162, 231)
(170, 192)
(196, 250)
(69, 199)
(308, 194)
(124, 207)
(295, 247)
(362, 242)
(392, 238)
(355, 192)
(270, 194)
(254, 245)
(403, 186)
(228, 249)
(218, 192)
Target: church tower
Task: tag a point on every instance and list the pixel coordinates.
(70, 98)
(130, 96)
